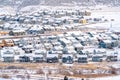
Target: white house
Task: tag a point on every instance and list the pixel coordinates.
(67, 58)
(7, 55)
(52, 58)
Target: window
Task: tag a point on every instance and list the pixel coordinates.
(8, 52)
(17, 53)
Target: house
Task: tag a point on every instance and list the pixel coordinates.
(38, 56)
(75, 20)
(7, 18)
(69, 47)
(28, 48)
(70, 21)
(91, 34)
(97, 58)
(21, 42)
(28, 54)
(60, 14)
(17, 53)
(6, 26)
(65, 42)
(83, 21)
(67, 58)
(21, 19)
(87, 13)
(75, 35)
(34, 20)
(112, 56)
(65, 50)
(69, 27)
(48, 46)
(2, 17)
(58, 28)
(74, 41)
(35, 30)
(82, 40)
(29, 41)
(3, 33)
(99, 51)
(7, 55)
(82, 58)
(57, 48)
(16, 41)
(78, 47)
(116, 31)
(45, 22)
(56, 43)
(97, 19)
(8, 42)
(88, 50)
(36, 40)
(72, 52)
(70, 38)
(57, 52)
(116, 68)
(24, 59)
(1, 44)
(49, 28)
(27, 21)
(114, 36)
(58, 22)
(17, 32)
(52, 38)
(105, 44)
(114, 43)
(51, 58)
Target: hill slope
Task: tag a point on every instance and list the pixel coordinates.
(23, 3)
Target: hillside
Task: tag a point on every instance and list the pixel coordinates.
(18, 4)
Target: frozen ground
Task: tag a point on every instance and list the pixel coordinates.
(7, 10)
(105, 78)
(4, 79)
(111, 25)
(109, 78)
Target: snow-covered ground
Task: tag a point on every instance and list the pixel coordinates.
(109, 78)
(7, 10)
(112, 25)
(4, 79)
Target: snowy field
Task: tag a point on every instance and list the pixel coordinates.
(7, 10)
(112, 25)
(109, 78)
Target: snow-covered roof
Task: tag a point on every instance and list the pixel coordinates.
(72, 51)
(107, 41)
(66, 55)
(21, 30)
(36, 27)
(52, 55)
(77, 45)
(81, 56)
(114, 35)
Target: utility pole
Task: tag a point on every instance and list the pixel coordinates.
(45, 69)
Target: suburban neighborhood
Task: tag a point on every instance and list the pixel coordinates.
(60, 43)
